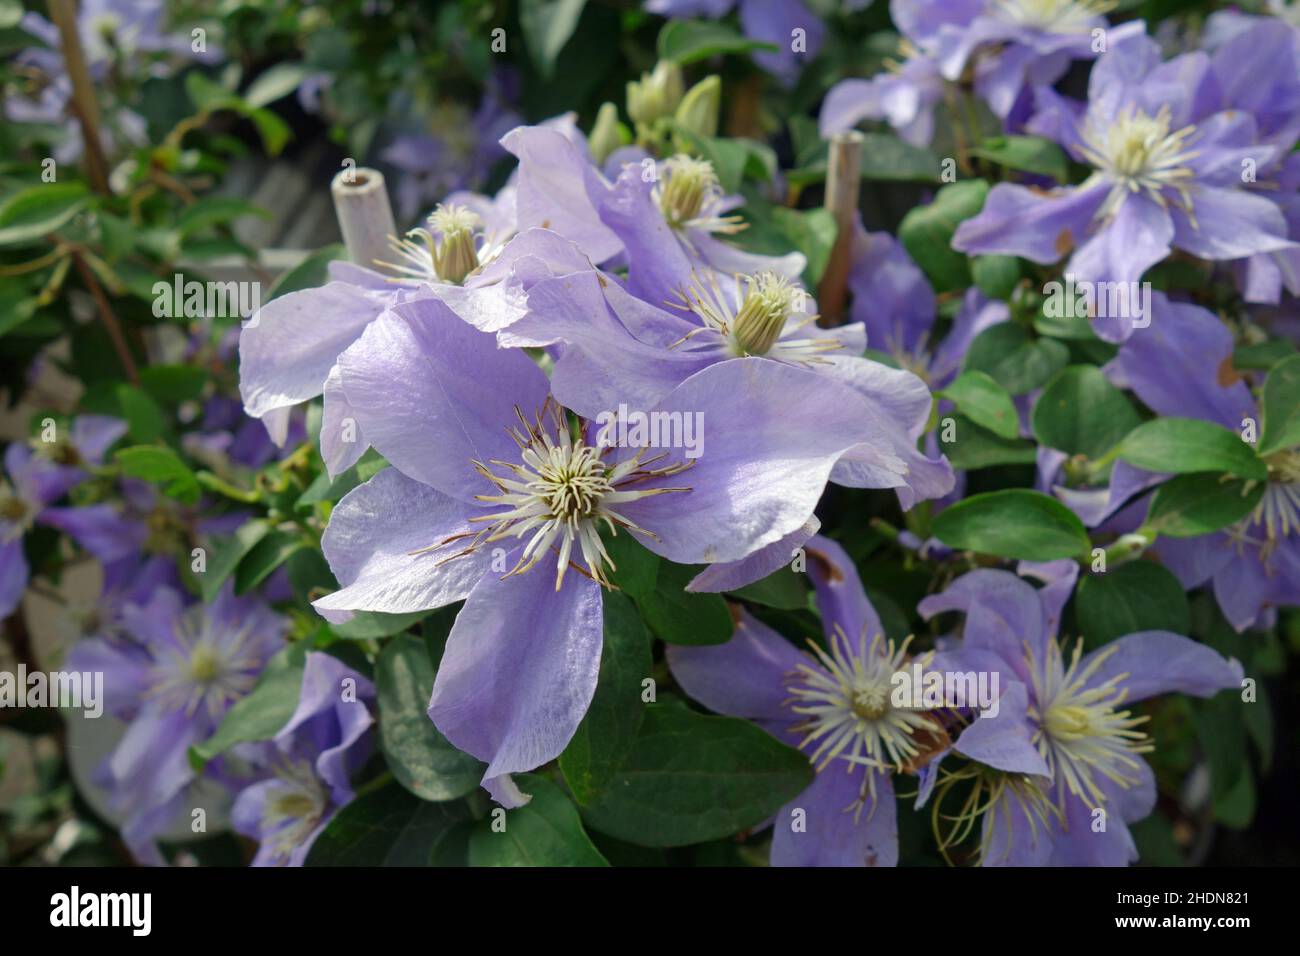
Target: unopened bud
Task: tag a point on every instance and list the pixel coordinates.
(657, 94)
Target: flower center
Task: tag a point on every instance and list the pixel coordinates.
(1055, 16)
(205, 669)
(1138, 153)
(560, 493)
(294, 808)
(757, 316)
(844, 702)
(14, 510)
(1081, 734)
(447, 251)
(991, 794)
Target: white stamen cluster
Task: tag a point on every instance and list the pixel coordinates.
(1082, 735)
(688, 195)
(847, 712)
(756, 316)
(1053, 16)
(1138, 153)
(448, 251)
(205, 668)
(294, 807)
(559, 495)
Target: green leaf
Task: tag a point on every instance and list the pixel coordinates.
(974, 447)
(926, 232)
(812, 232)
(636, 568)
(1015, 523)
(546, 831)
(160, 465)
(1184, 445)
(885, 158)
(215, 210)
(371, 625)
(679, 616)
(685, 41)
(268, 554)
(388, 827)
(1014, 359)
(274, 132)
(547, 26)
(1281, 407)
(691, 778)
(421, 758)
(1031, 154)
(784, 588)
(1081, 413)
(1138, 596)
(29, 215)
(1191, 505)
(144, 418)
(985, 402)
(173, 384)
(277, 82)
(609, 729)
(226, 555)
(996, 275)
(313, 271)
(266, 709)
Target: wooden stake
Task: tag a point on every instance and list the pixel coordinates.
(843, 177)
(84, 102)
(365, 216)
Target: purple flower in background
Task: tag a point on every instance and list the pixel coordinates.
(455, 152)
(1014, 45)
(905, 96)
(35, 476)
(1064, 717)
(305, 770)
(835, 704)
(771, 21)
(489, 480)
(173, 679)
(1182, 366)
(1167, 175)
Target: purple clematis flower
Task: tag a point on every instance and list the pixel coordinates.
(905, 96)
(36, 476)
(1013, 45)
(1060, 772)
(172, 681)
(834, 704)
(1168, 174)
(1182, 366)
(306, 769)
(489, 480)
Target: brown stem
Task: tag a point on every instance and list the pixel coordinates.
(843, 178)
(84, 104)
(107, 317)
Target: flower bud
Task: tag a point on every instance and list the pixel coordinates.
(657, 95)
(698, 112)
(606, 136)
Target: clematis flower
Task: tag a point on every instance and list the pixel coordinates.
(289, 348)
(1182, 366)
(1166, 176)
(36, 476)
(619, 350)
(173, 681)
(1013, 45)
(305, 769)
(905, 96)
(494, 498)
(833, 703)
(1064, 718)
